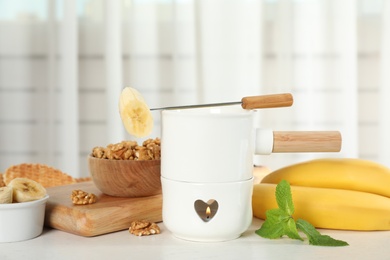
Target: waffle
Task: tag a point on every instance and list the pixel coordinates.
(83, 179)
(45, 175)
(2, 184)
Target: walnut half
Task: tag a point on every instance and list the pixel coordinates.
(80, 197)
(143, 228)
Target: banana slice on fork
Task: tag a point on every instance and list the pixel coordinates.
(135, 113)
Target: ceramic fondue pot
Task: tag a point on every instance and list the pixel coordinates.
(207, 167)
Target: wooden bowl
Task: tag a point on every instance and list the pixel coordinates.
(126, 178)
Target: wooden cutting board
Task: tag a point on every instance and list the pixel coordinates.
(108, 214)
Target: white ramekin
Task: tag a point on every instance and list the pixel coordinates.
(22, 221)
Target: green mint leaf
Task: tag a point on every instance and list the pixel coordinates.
(274, 224)
(291, 230)
(277, 216)
(315, 237)
(279, 222)
(284, 197)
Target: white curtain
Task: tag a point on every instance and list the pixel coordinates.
(63, 64)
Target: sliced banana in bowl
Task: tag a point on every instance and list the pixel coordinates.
(135, 113)
(6, 195)
(26, 190)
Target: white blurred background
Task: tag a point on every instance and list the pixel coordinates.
(63, 64)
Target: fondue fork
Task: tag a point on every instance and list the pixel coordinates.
(251, 102)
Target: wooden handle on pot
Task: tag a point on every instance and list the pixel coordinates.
(267, 101)
(306, 141)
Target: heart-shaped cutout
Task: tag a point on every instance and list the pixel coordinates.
(206, 210)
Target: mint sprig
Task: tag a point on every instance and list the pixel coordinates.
(279, 222)
(315, 238)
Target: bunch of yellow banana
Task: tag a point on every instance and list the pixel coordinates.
(349, 194)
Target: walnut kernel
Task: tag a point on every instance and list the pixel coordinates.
(130, 150)
(143, 228)
(80, 197)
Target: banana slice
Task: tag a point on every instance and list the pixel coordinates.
(6, 195)
(135, 113)
(26, 190)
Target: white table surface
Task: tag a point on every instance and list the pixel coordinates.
(55, 244)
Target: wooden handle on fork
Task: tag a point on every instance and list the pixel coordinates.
(267, 101)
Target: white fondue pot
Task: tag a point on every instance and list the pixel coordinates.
(207, 167)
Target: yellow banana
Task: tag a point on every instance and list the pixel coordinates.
(135, 113)
(337, 173)
(6, 195)
(25, 190)
(328, 208)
